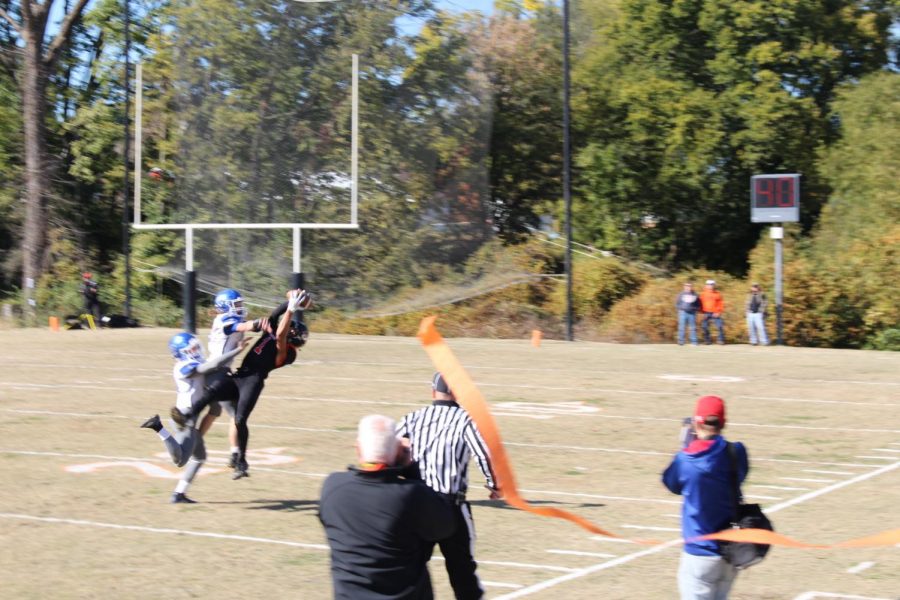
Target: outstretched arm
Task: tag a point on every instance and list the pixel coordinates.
(214, 364)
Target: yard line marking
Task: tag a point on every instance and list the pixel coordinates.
(153, 460)
(350, 432)
(603, 538)
(831, 488)
(580, 495)
(894, 443)
(241, 538)
(817, 401)
(815, 595)
(97, 415)
(649, 528)
(514, 586)
(418, 404)
(518, 565)
(828, 472)
(808, 479)
(209, 534)
(885, 450)
(878, 457)
(761, 497)
(861, 567)
(666, 545)
(779, 487)
(587, 448)
(673, 515)
(579, 553)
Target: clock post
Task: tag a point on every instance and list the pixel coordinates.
(776, 199)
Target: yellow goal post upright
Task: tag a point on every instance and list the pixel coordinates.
(189, 228)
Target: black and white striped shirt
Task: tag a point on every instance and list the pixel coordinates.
(443, 438)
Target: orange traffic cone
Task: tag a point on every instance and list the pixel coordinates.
(536, 338)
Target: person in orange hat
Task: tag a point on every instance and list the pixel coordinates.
(702, 473)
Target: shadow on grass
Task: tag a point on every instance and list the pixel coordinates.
(288, 505)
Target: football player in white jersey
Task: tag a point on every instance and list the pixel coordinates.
(185, 445)
(225, 335)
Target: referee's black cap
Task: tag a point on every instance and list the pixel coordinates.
(439, 384)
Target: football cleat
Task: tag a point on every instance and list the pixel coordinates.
(180, 498)
(179, 417)
(153, 423)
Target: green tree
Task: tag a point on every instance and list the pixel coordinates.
(691, 97)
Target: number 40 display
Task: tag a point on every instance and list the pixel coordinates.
(775, 198)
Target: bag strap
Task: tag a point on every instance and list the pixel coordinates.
(737, 497)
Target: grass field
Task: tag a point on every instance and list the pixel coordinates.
(84, 507)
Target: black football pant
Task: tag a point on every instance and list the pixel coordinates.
(241, 388)
(458, 551)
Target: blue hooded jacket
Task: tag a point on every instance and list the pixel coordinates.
(704, 479)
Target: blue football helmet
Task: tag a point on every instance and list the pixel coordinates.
(186, 346)
(230, 302)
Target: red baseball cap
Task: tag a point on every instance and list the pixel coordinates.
(710, 406)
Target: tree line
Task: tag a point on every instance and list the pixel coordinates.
(675, 105)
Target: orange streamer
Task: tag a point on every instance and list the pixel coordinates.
(763, 536)
(470, 398)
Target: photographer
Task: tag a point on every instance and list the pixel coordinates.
(701, 472)
(380, 520)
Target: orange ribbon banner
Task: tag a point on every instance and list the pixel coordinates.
(469, 397)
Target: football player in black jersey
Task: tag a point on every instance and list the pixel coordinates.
(272, 350)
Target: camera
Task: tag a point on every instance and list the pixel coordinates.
(688, 434)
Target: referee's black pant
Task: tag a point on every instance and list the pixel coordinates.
(458, 551)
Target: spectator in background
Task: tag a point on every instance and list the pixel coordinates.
(90, 289)
(702, 472)
(712, 306)
(756, 316)
(381, 520)
(688, 303)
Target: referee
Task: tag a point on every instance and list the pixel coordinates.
(442, 440)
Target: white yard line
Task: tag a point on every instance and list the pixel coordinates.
(208, 534)
(817, 595)
(885, 450)
(497, 584)
(527, 591)
(649, 528)
(599, 496)
(861, 567)
(578, 553)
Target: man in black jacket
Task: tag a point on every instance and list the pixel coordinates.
(381, 520)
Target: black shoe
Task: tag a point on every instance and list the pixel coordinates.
(153, 423)
(241, 470)
(179, 417)
(233, 461)
(180, 498)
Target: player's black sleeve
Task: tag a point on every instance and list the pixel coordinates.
(276, 314)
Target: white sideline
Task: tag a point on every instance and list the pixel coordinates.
(242, 538)
(815, 595)
(664, 546)
(222, 536)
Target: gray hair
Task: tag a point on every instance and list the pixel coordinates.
(376, 439)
